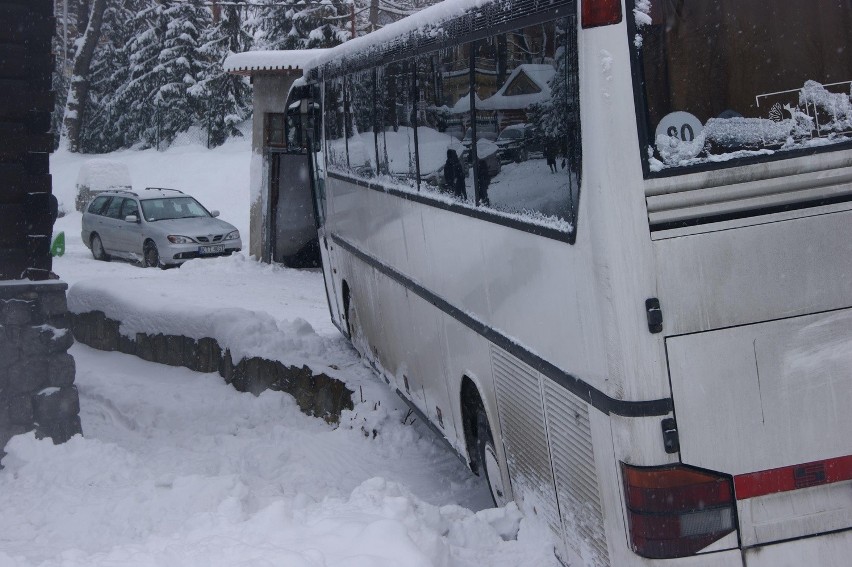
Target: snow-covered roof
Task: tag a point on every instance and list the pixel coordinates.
(260, 62)
(462, 105)
(539, 74)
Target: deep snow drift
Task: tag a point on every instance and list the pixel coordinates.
(179, 469)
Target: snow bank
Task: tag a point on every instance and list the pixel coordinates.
(179, 469)
(185, 306)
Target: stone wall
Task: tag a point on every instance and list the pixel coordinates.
(316, 394)
(37, 389)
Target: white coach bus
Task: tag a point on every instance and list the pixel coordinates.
(605, 248)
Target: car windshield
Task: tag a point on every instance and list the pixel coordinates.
(172, 208)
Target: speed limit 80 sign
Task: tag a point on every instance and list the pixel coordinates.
(681, 125)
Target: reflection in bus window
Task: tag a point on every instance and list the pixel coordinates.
(526, 114)
(335, 121)
(443, 115)
(730, 79)
(514, 150)
(396, 117)
(362, 120)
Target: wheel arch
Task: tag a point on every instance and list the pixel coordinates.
(346, 292)
(471, 403)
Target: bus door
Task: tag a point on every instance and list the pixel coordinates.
(292, 235)
(312, 114)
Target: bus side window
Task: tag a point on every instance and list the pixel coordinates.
(361, 120)
(525, 120)
(335, 121)
(443, 117)
(395, 109)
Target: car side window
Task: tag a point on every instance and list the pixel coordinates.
(130, 207)
(114, 207)
(97, 206)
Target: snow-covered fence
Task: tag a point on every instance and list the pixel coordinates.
(316, 394)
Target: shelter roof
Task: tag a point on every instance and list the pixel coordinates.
(271, 62)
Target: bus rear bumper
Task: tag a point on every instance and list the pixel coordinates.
(828, 550)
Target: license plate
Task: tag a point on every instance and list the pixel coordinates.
(218, 249)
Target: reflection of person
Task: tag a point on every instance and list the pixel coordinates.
(550, 155)
(454, 175)
(483, 179)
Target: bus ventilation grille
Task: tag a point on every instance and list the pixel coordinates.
(524, 435)
(548, 442)
(576, 479)
(728, 195)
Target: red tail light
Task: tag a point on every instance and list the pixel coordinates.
(600, 13)
(675, 511)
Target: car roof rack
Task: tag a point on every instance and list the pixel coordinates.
(163, 189)
(125, 191)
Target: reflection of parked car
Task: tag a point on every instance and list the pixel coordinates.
(515, 143)
(161, 227)
(456, 131)
(481, 134)
(98, 175)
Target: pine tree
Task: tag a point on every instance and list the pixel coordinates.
(78, 89)
(110, 70)
(307, 25)
(229, 95)
(136, 117)
(181, 64)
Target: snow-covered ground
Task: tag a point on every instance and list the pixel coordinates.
(176, 468)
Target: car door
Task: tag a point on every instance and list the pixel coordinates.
(92, 218)
(129, 234)
(110, 227)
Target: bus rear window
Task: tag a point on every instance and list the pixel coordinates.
(728, 79)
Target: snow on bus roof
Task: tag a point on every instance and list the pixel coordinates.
(421, 20)
(254, 62)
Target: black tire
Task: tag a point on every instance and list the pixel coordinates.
(98, 252)
(486, 460)
(151, 256)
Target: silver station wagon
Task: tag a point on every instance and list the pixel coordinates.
(159, 227)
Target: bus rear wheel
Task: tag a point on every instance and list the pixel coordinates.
(489, 464)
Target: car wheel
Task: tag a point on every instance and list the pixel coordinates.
(522, 155)
(489, 465)
(151, 255)
(98, 252)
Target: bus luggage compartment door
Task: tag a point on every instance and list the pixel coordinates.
(769, 404)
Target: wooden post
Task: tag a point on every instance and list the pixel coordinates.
(352, 18)
(27, 206)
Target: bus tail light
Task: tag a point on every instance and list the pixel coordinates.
(675, 511)
(600, 13)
